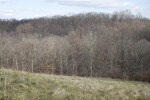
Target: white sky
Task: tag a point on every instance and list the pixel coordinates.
(20, 9)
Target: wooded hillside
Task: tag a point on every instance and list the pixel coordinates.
(92, 44)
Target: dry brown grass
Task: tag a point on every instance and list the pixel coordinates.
(28, 86)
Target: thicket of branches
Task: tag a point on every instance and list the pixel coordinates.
(93, 44)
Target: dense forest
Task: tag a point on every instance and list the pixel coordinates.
(92, 44)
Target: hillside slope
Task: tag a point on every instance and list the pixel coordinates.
(28, 86)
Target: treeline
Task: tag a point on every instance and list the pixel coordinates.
(93, 44)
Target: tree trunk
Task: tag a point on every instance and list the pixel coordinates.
(32, 65)
(61, 65)
(91, 62)
(66, 61)
(16, 62)
(73, 66)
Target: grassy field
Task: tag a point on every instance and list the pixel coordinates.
(27, 86)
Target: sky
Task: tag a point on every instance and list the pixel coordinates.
(24, 9)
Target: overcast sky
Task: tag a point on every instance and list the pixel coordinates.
(21, 9)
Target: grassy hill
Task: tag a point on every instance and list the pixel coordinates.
(27, 86)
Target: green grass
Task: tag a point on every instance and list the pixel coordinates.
(28, 86)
